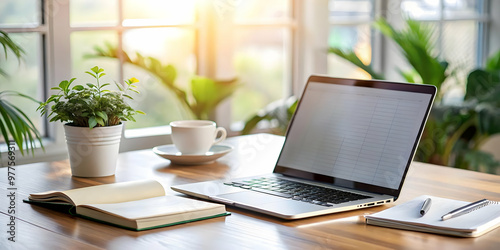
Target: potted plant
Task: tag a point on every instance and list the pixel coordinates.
(94, 118)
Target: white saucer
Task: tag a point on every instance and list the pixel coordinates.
(171, 153)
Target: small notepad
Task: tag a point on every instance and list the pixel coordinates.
(407, 216)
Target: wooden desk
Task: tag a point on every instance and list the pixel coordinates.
(39, 227)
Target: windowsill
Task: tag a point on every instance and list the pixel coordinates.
(147, 132)
(51, 152)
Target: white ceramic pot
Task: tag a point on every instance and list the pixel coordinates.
(93, 152)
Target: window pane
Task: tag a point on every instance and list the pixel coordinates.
(93, 12)
(170, 46)
(19, 13)
(459, 49)
(431, 9)
(262, 62)
(24, 76)
(344, 11)
(254, 10)
(421, 9)
(461, 9)
(355, 38)
(82, 44)
(158, 12)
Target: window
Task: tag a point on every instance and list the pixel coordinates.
(249, 40)
(350, 28)
(23, 20)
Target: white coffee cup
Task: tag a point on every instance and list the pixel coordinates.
(195, 137)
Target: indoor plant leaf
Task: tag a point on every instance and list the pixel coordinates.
(481, 82)
(350, 56)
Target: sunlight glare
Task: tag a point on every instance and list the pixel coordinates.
(159, 12)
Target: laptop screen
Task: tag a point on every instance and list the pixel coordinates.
(356, 133)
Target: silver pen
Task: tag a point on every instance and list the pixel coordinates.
(465, 209)
(425, 206)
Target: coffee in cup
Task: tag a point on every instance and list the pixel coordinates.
(195, 137)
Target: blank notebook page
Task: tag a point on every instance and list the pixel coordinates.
(409, 213)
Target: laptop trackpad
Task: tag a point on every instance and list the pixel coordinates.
(274, 205)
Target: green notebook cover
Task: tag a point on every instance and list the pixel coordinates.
(159, 226)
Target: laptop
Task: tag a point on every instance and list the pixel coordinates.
(348, 146)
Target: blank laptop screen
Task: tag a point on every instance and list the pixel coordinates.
(355, 133)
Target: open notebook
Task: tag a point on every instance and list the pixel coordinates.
(407, 216)
(134, 205)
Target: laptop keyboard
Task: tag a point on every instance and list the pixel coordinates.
(297, 191)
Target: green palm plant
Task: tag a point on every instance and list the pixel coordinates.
(14, 123)
(204, 95)
(415, 44)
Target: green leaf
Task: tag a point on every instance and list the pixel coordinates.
(90, 85)
(7, 123)
(7, 43)
(208, 93)
(251, 123)
(92, 122)
(493, 62)
(103, 115)
(95, 69)
(488, 119)
(16, 125)
(415, 44)
(280, 111)
(71, 81)
(78, 87)
(52, 98)
(481, 82)
(350, 56)
(63, 84)
(129, 97)
(92, 74)
(31, 129)
(100, 121)
(119, 86)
